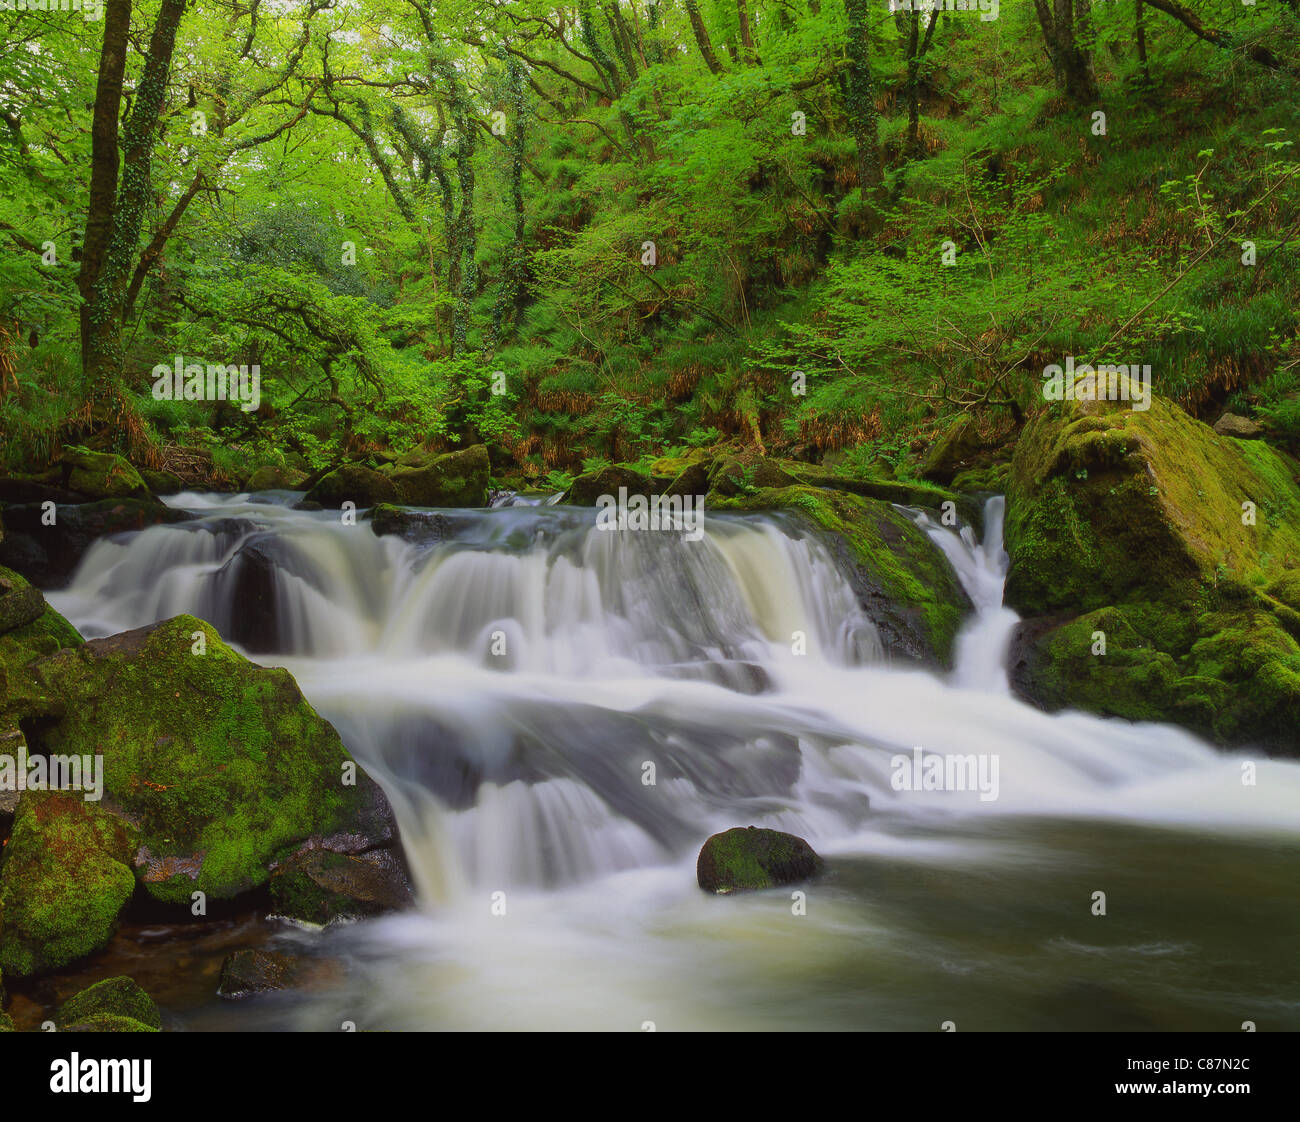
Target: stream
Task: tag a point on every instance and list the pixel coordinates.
(561, 716)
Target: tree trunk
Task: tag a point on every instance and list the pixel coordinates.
(103, 164)
(860, 98)
(1071, 61)
(702, 36)
(102, 368)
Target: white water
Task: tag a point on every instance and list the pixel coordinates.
(510, 685)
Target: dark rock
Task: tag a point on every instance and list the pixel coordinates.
(588, 488)
(48, 555)
(421, 527)
(249, 972)
(748, 859)
(320, 887)
(355, 484)
(454, 479)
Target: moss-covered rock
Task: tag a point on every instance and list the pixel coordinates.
(108, 1022)
(221, 763)
(455, 479)
(744, 472)
(271, 478)
(750, 859)
(320, 887)
(1174, 547)
(6, 1023)
(352, 483)
(102, 475)
(957, 450)
(31, 630)
(162, 482)
(413, 525)
(901, 578)
(115, 997)
(66, 877)
(587, 489)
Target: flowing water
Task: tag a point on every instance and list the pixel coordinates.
(561, 715)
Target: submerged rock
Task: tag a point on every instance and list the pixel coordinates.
(746, 859)
(1158, 566)
(249, 972)
(113, 997)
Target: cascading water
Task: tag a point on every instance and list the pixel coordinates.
(562, 715)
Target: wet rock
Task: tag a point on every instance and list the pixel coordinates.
(750, 858)
(454, 479)
(113, 997)
(1135, 527)
(420, 527)
(250, 972)
(107, 1022)
(320, 887)
(352, 483)
(222, 786)
(48, 554)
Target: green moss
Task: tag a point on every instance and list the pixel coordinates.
(65, 879)
(222, 763)
(751, 859)
(117, 997)
(107, 1022)
(102, 475)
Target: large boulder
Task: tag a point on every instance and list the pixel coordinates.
(454, 479)
(215, 770)
(1158, 565)
(102, 475)
(750, 859)
(902, 580)
(47, 549)
(352, 483)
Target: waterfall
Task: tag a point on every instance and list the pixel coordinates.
(561, 715)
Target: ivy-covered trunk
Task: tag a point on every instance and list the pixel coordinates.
(860, 99)
(105, 296)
